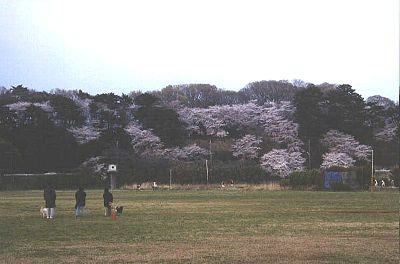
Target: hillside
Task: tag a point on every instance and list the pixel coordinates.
(267, 129)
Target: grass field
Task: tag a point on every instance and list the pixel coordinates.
(215, 226)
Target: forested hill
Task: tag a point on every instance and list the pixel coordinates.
(268, 128)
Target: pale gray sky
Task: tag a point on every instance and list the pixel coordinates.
(121, 46)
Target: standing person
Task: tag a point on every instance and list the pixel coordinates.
(80, 198)
(108, 199)
(50, 199)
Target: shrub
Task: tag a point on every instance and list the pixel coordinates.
(308, 178)
(396, 176)
(364, 176)
(284, 183)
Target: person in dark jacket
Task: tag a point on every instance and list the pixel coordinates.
(108, 199)
(50, 199)
(80, 198)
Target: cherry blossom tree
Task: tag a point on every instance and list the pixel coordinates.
(387, 133)
(337, 159)
(96, 165)
(280, 129)
(278, 125)
(23, 110)
(202, 121)
(381, 101)
(281, 162)
(22, 106)
(214, 121)
(338, 142)
(187, 153)
(85, 134)
(246, 147)
(82, 103)
(144, 142)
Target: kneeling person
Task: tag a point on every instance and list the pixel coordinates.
(108, 200)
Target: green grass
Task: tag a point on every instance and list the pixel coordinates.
(230, 226)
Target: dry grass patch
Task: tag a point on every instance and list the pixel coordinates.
(230, 249)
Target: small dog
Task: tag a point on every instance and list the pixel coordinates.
(44, 212)
(119, 209)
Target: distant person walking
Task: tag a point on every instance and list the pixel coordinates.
(108, 199)
(80, 198)
(50, 199)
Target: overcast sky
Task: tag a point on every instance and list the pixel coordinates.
(121, 46)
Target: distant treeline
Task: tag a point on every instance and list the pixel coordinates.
(244, 135)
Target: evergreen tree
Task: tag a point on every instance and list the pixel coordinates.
(310, 118)
(162, 120)
(346, 112)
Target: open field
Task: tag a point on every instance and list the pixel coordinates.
(215, 226)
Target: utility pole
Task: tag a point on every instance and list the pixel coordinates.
(210, 163)
(372, 170)
(210, 152)
(207, 172)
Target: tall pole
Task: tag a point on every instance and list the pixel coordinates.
(210, 163)
(210, 152)
(207, 171)
(372, 170)
(114, 176)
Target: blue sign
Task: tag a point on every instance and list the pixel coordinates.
(332, 177)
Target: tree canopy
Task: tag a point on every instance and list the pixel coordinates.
(267, 129)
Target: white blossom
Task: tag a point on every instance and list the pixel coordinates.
(280, 129)
(96, 165)
(85, 134)
(277, 124)
(273, 116)
(338, 142)
(281, 162)
(83, 105)
(22, 106)
(337, 159)
(198, 118)
(246, 147)
(216, 119)
(187, 153)
(144, 142)
(387, 133)
(296, 145)
(381, 101)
